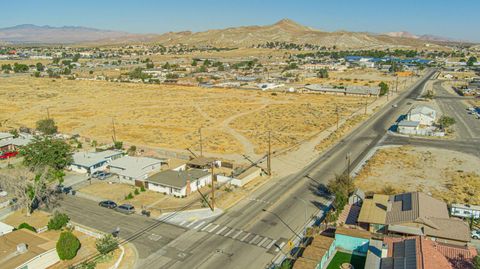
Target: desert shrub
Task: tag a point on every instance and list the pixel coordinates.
(142, 188)
(137, 192)
(106, 244)
(67, 246)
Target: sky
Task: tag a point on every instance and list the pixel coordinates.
(450, 18)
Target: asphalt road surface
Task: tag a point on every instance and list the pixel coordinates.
(293, 199)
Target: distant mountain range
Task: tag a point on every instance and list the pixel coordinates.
(283, 31)
(423, 37)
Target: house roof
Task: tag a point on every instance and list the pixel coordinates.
(412, 206)
(304, 263)
(466, 207)
(374, 210)
(424, 110)
(135, 166)
(201, 161)
(89, 159)
(5, 228)
(449, 228)
(408, 123)
(5, 135)
(177, 179)
(37, 245)
(353, 232)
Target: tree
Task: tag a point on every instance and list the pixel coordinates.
(40, 67)
(471, 60)
(27, 226)
(446, 121)
(67, 246)
(47, 126)
(149, 65)
(476, 262)
(47, 152)
(166, 65)
(132, 150)
(36, 74)
(76, 57)
(58, 221)
(106, 244)
(322, 73)
(194, 62)
(383, 88)
(118, 145)
(341, 184)
(20, 68)
(30, 188)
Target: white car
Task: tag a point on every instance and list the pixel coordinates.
(476, 234)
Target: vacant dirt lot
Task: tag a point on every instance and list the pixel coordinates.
(232, 121)
(448, 175)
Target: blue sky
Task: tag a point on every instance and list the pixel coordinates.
(456, 19)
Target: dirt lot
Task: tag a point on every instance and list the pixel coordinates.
(448, 175)
(167, 116)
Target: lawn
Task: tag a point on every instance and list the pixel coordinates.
(358, 262)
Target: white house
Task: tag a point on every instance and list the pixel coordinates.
(135, 169)
(25, 249)
(178, 183)
(423, 114)
(10, 143)
(465, 211)
(408, 127)
(89, 162)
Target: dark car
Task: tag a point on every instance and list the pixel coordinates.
(126, 209)
(96, 173)
(108, 204)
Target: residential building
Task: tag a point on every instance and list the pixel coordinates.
(425, 115)
(5, 228)
(24, 249)
(178, 183)
(413, 213)
(346, 90)
(5, 136)
(90, 162)
(317, 254)
(135, 169)
(202, 162)
(15, 143)
(465, 211)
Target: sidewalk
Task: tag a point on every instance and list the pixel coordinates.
(191, 215)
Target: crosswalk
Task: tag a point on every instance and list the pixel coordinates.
(236, 234)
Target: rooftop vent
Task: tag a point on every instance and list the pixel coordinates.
(22, 248)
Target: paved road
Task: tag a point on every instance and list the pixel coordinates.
(293, 198)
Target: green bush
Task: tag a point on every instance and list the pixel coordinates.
(137, 192)
(67, 246)
(27, 226)
(58, 221)
(106, 244)
(129, 196)
(142, 188)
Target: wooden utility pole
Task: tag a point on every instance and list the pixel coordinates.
(348, 163)
(396, 85)
(269, 155)
(213, 186)
(366, 104)
(201, 142)
(48, 114)
(113, 129)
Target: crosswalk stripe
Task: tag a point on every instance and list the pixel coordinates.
(199, 225)
(253, 239)
(183, 222)
(271, 244)
(208, 225)
(221, 230)
(213, 229)
(239, 232)
(191, 223)
(245, 237)
(261, 242)
(229, 232)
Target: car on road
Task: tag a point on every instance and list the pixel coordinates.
(8, 155)
(108, 204)
(394, 105)
(126, 209)
(476, 234)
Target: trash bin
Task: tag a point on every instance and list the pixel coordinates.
(74, 192)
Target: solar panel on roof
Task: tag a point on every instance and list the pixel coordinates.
(406, 201)
(410, 254)
(399, 249)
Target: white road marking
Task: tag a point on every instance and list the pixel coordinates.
(204, 228)
(253, 239)
(239, 232)
(229, 232)
(263, 241)
(191, 223)
(271, 244)
(245, 237)
(199, 225)
(183, 222)
(213, 229)
(221, 230)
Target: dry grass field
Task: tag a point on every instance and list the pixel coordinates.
(169, 116)
(448, 175)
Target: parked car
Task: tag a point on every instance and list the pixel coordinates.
(108, 204)
(394, 105)
(104, 175)
(476, 234)
(126, 209)
(96, 173)
(8, 155)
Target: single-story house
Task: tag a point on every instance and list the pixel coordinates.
(317, 254)
(5, 228)
(135, 169)
(90, 162)
(24, 249)
(413, 213)
(4, 136)
(178, 183)
(408, 127)
(465, 211)
(14, 143)
(202, 162)
(425, 115)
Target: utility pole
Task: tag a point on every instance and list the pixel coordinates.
(48, 114)
(396, 84)
(348, 162)
(269, 154)
(366, 104)
(201, 142)
(213, 187)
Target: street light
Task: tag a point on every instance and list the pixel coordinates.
(284, 223)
